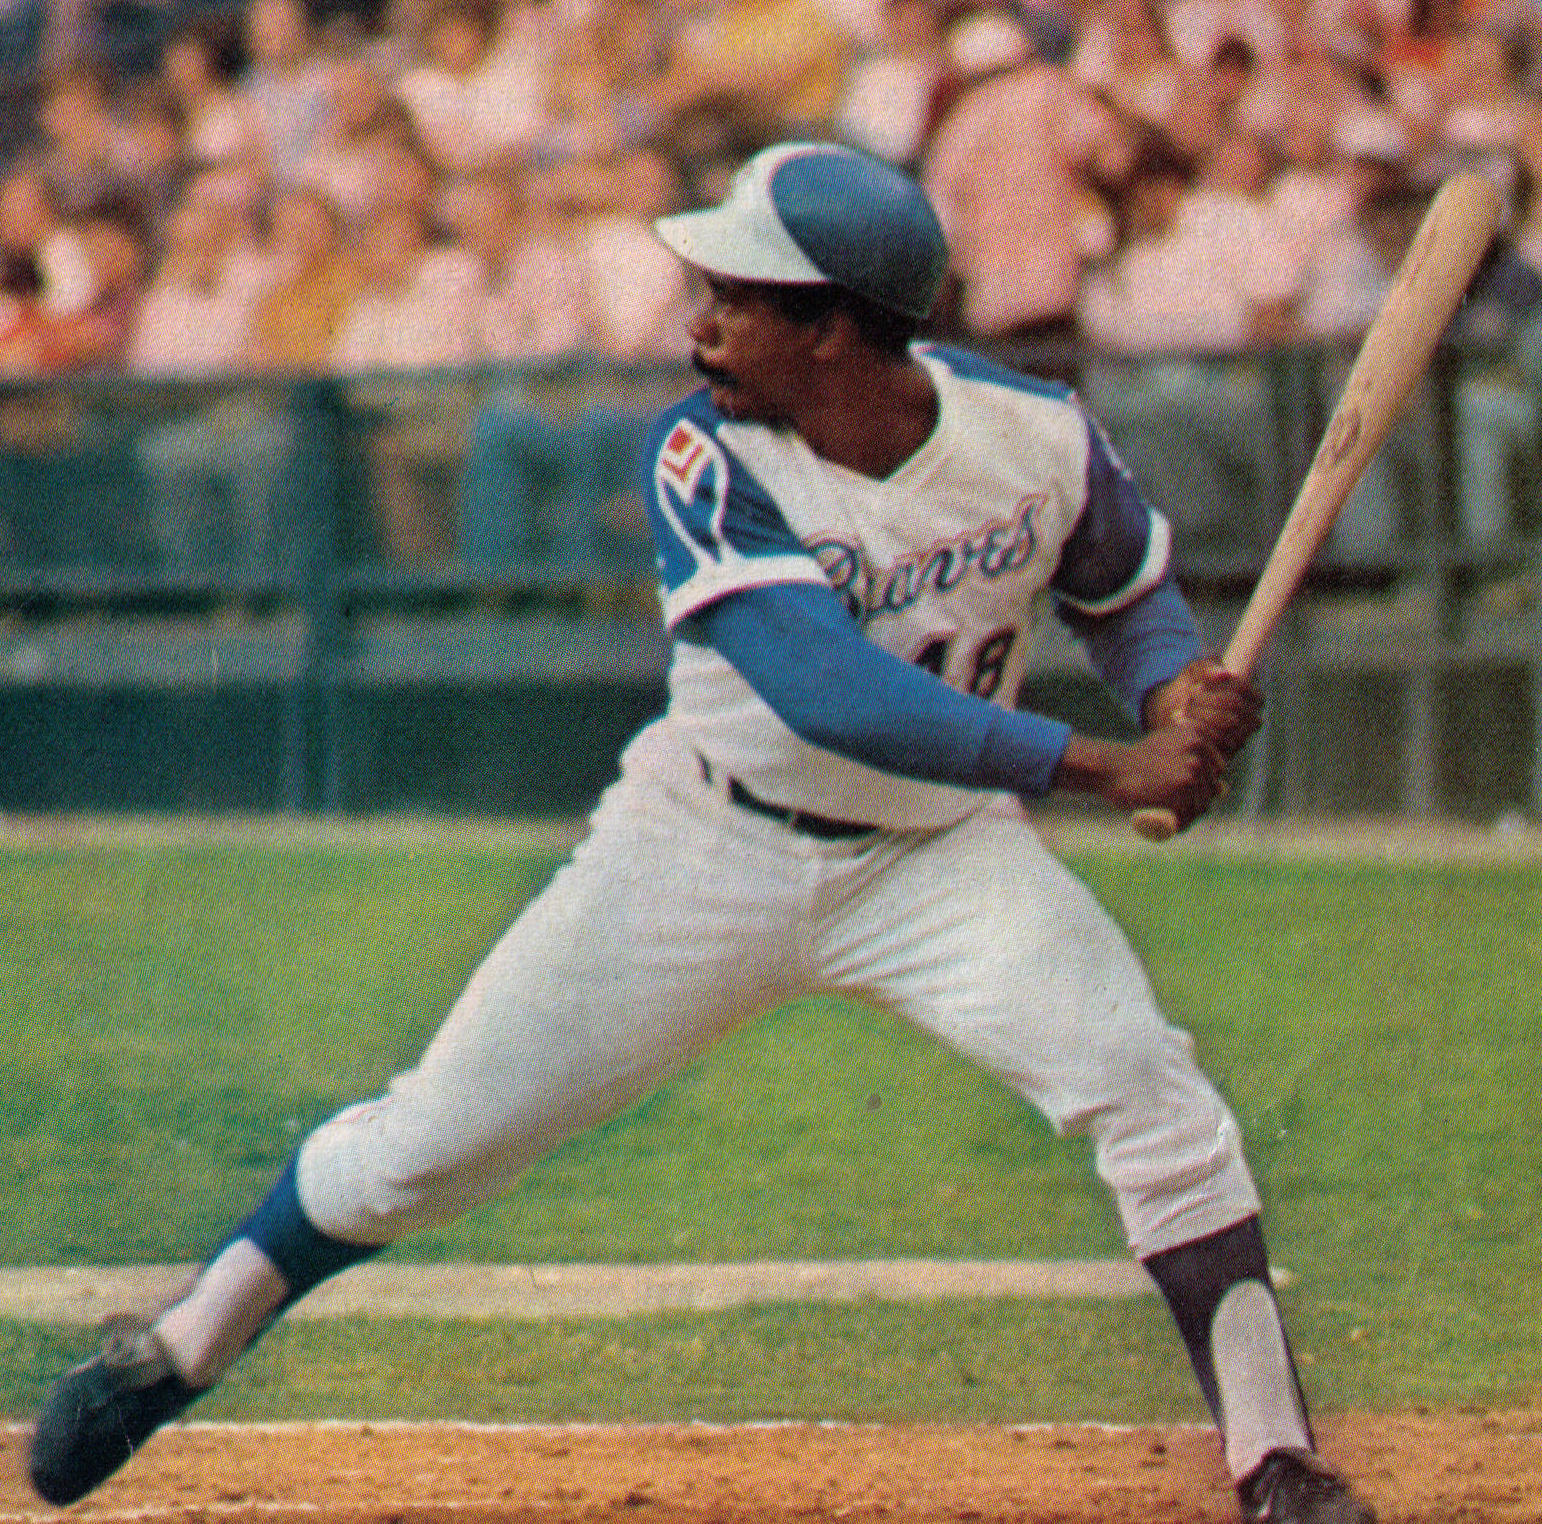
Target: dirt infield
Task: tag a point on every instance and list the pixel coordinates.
(1456, 1469)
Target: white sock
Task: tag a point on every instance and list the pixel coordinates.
(231, 1301)
(1260, 1407)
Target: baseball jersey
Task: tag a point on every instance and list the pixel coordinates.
(1014, 502)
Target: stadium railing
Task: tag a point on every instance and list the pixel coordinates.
(336, 548)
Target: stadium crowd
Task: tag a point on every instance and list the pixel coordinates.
(291, 189)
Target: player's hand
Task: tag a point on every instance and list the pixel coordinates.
(1226, 708)
(1179, 768)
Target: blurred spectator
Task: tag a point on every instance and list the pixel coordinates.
(1315, 202)
(298, 319)
(1329, 206)
(1202, 281)
(1241, 252)
(83, 154)
(638, 303)
(543, 462)
(1498, 395)
(745, 73)
(97, 337)
(470, 101)
(416, 311)
(346, 157)
(155, 166)
(535, 302)
(221, 127)
(1225, 99)
(215, 471)
(33, 231)
(195, 316)
(405, 173)
(511, 496)
(285, 81)
(417, 303)
(1202, 29)
(591, 107)
(1125, 57)
(889, 100)
(1010, 172)
(1482, 112)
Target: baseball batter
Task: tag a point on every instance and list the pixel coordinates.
(857, 536)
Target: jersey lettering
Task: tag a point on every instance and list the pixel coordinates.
(985, 668)
(1003, 546)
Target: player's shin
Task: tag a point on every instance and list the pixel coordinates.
(1219, 1291)
(271, 1260)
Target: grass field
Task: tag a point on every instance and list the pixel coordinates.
(177, 1016)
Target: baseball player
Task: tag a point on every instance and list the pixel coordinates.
(857, 536)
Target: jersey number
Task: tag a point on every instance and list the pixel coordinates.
(987, 667)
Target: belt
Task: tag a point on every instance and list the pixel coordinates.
(802, 821)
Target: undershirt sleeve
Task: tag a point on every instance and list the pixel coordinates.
(798, 647)
(1138, 648)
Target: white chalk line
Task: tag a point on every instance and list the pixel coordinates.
(1387, 839)
(86, 1294)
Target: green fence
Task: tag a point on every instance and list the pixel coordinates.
(434, 591)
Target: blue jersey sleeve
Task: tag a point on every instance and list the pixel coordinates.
(1139, 648)
(801, 651)
(715, 527)
(1114, 585)
(1120, 547)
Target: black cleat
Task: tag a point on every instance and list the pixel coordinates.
(1297, 1487)
(98, 1414)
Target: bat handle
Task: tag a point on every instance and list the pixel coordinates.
(1155, 823)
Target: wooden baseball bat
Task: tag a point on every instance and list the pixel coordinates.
(1429, 285)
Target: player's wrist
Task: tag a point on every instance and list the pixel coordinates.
(1087, 765)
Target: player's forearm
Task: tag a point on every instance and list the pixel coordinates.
(798, 648)
(1177, 768)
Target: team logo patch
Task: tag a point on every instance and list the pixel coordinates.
(686, 454)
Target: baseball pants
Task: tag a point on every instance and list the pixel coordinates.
(683, 915)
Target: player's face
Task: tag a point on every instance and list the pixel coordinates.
(753, 356)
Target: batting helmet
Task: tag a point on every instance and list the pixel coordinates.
(820, 213)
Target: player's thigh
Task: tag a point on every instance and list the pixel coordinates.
(646, 947)
(984, 939)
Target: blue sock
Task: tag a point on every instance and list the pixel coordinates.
(304, 1255)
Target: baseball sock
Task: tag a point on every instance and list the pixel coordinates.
(1219, 1291)
(268, 1263)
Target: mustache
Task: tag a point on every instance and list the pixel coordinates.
(711, 372)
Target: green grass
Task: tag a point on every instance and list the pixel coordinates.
(177, 1018)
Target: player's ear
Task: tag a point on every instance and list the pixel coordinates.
(835, 333)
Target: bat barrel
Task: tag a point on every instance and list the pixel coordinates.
(1429, 284)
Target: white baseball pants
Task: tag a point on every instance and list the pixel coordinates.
(683, 915)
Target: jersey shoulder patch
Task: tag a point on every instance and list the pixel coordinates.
(684, 456)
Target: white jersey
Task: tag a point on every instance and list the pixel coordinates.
(950, 563)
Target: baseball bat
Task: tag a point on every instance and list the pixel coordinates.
(1429, 285)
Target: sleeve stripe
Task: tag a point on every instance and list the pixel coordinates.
(1153, 567)
(710, 584)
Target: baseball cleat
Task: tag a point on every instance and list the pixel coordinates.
(1298, 1487)
(100, 1412)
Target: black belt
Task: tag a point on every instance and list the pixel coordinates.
(803, 821)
